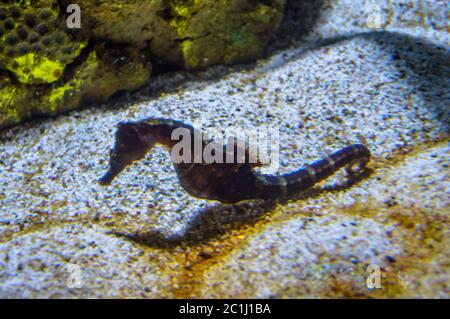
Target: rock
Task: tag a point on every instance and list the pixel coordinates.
(224, 32)
(42, 53)
(195, 34)
(15, 99)
(144, 24)
(39, 51)
(118, 70)
(35, 47)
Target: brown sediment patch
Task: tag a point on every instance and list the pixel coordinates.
(194, 261)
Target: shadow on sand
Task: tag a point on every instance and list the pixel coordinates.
(212, 222)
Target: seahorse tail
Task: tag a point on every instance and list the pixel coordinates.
(354, 158)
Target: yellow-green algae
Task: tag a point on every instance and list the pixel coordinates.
(96, 79)
(194, 34)
(9, 113)
(16, 102)
(110, 78)
(68, 96)
(65, 93)
(34, 46)
(31, 68)
(224, 31)
(137, 23)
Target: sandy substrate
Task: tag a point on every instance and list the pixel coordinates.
(144, 236)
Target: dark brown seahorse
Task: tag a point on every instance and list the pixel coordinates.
(228, 182)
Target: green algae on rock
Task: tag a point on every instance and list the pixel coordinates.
(144, 24)
(34, 46)
(118, 70)
(225, 31)
(41, 60)
(14, 102)
(95, 79)
(193, 33)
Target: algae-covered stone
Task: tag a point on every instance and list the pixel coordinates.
(67, 96)
(33, 46)
(225, 31)
(14, 102)
(96, 79)
(118, 70)
(36, 49)
(51, 68)
(140, 23)
(195, 33)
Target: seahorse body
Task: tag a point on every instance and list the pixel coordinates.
(230, 181)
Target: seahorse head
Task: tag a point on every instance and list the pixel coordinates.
(131, 144)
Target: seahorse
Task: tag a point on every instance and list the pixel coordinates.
(228, 182)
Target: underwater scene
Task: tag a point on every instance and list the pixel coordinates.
(224, 149)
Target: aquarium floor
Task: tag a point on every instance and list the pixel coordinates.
(62, 235)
